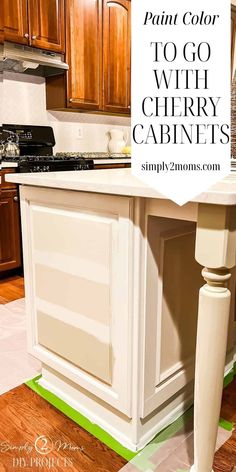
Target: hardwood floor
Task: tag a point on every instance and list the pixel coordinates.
(24, 416)
(11, 288)
(225, 458)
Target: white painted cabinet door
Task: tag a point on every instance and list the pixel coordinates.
(78, 260)
(173, 278)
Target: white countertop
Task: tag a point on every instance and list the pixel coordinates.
(125, 160)
(7, 165)
(120, 182)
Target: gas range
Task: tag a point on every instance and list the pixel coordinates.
(36, 145)
(36, 151)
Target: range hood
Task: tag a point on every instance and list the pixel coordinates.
(33, 61)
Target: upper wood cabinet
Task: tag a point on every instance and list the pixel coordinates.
(84, 53)
(116, 55)
(38, 23)
(16, 21)
(46, 24)
(98, 50)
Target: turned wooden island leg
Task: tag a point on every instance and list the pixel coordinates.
(215, 249)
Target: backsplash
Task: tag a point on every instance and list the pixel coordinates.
(24, 102)
(84, 132)
(24, 99)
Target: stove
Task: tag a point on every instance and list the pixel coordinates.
(36, 151)
(51, 164)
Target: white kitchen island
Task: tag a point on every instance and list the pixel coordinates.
(112, 299)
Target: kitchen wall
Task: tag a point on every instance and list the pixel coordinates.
(24, 102)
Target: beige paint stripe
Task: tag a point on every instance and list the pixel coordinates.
(72, 233)
(77, 266)
(90, 299)
(76, 320)
(82, 349)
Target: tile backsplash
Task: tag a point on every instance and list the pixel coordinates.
(24, 102)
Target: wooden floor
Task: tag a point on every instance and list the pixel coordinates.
(225, 458)
(11, 288)
(24, 416)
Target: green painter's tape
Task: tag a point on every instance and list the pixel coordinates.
(79, 419)
(141, 459)
(226, 424)
(229, 378)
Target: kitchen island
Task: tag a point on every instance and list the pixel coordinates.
(112, 300)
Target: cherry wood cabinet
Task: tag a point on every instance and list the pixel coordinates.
(116, 55)
(16, 21)
(38, 23)
(1, 23)
(84, 54)
(46, 24)
(98, 50)
(10, 236)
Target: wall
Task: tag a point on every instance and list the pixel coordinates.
(24, 102)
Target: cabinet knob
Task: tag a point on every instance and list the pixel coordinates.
(26, 35)
(15, 198)
(71, 100)
(34, 37)
(129, 106)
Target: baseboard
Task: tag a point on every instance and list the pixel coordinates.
(103, 430)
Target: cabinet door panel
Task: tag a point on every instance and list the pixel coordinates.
(116, 55)
(10, 246)
(15, 21)
(46, 19)
(76, 247)
(1, 22)
(84, 43)
(169, 366)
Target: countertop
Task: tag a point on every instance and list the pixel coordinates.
(120, 182)
(6, 165)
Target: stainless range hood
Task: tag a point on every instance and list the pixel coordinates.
(33, 61)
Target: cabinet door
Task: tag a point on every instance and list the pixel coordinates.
(116, 55)
(78, 258)
(46, 21)
(10, 242)
(169, 333)
(84, 53)
(1, 23)
(15, 21)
